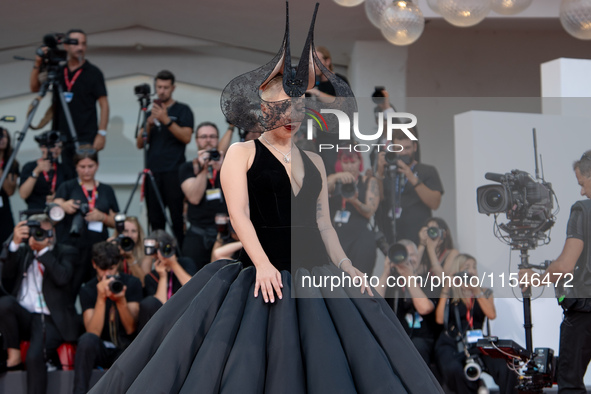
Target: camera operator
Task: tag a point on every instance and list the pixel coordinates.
(170, 273)
(575, 259)
(200, 181)
(42, 177)
(416, 187)
(39, 308)
(90, 208)
(169, 128)
(84, 87)
(353, 202)
(6, 190)
(413, 307)
(110, 305)
(463, 310)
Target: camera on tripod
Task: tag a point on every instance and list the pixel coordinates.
(142, 91)
(54, 56)
(48, 139)
(124, 242)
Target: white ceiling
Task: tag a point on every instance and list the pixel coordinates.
(254, 25)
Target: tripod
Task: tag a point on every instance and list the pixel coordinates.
(52, 73)
(144, 101)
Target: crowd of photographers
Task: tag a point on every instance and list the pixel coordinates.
(65, 278)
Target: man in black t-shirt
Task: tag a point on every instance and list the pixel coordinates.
(410, 192)
(169, 127)
(41, 178)
(84, 86)
(200, 181)
(110, 312)
(575, 337)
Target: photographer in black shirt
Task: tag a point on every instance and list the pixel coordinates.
(41, 178)
(169, 127)
(200, 181)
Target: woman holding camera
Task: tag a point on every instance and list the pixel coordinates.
(135, 262)
(90, 208)
(436, 248)
(463, 310)
(353, 202)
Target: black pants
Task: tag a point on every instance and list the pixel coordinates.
(199, 245)
(91, 353)
(16, 325)
(172, 197)
(83, 270)
(451, 366)
(148, 308)
(574, 353)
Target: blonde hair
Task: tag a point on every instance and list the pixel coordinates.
(326, 54)
(138, 250)
(271, 89)
(454, 268)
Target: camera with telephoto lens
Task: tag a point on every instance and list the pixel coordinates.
(434, 233)
(214, 155)
(54, 56)
(115, 286)
(345, 190)
(397, 254)
(474, 367)
(151, 246)
(38, 233)
(78, 221)
(48, 139)
(125, 242)
(142, 91)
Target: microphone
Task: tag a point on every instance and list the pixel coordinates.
(493, 176)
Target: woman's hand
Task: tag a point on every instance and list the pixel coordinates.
(95, 216)
(345, 177)
(357, 276)
(71, 206)
(267, 279)
(423, 236)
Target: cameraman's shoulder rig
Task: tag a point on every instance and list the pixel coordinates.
(578, 297)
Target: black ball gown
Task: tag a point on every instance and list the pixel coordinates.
(214, 336)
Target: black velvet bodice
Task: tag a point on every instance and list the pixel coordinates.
(285, 223)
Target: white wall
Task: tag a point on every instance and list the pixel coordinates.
(501, 142)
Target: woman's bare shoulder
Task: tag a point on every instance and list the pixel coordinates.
(317, 160)
(241, 152)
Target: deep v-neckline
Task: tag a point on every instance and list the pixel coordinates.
(278, 161)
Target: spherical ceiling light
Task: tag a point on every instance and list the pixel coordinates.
(575, 16)
(509, 7)
(348, 3)
(433, 5)
(374, 9)
(402, 22)
(463, 13)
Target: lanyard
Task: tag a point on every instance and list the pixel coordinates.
(91, 202)
(40, 267)
(469, 316)
(169, 286)
(54, 180)
(70, 84)
(213, 178)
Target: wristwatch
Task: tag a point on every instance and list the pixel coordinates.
(102, 132)
(34, 176)
(168, 124)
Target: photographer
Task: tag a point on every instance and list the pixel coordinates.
(9, 186)
(41, 178)
(135, 262)
(436, 249)
(110, 305)
(463, 310)
(169, 127)
(353, 202)
(413, 307)
(84, 87)
(409, 190)
(90, 208)
(39, 307)
(575, 259)
(170, 273)
(200, 182)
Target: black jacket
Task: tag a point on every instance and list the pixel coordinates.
(58, 272)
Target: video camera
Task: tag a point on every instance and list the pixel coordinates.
(54, 56)
(125, 242)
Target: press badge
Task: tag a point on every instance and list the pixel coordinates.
(472, 336)
(97, 227)
(342, 217)
(68, 96)
(213, 194)
(413, 321)
(398, 211)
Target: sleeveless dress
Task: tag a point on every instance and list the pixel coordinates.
(213, 336)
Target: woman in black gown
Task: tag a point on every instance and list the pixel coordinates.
(214, 336)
